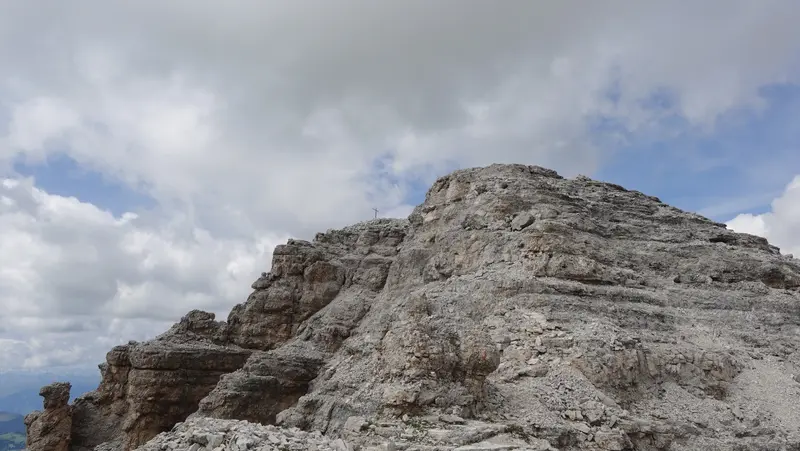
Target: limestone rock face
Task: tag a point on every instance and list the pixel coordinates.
(148, 387)
(325, 287)
(513, 309)
(50, 429)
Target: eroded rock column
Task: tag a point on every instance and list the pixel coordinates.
(50, 430)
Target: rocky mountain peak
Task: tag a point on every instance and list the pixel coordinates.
(513, 309)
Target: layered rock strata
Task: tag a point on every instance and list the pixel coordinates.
(148, 387)
(50, 429)
(513, 309)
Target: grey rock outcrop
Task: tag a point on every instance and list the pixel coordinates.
(146, 388)
(513, 309)
(50, 429)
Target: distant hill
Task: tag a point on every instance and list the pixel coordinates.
(12, 441)
(17, 380)
(11, 422)
(22, 397)
(12, 432)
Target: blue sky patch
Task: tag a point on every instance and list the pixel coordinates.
(742, 165)
(61, 175)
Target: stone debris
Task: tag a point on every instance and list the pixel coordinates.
(207, 434)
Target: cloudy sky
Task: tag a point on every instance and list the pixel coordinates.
(153, 153)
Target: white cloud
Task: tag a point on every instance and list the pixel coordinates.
(69, 269)
(780, 225)
(77, 343)
(249, 121)
(38, 121)
(270, 94)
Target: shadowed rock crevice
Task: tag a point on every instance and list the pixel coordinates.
(513, 309)
(265, 386)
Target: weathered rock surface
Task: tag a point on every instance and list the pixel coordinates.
(514, 309)
(50, 429)
(148, 387)
(208, 434)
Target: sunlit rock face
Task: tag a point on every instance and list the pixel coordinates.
(513, 309)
